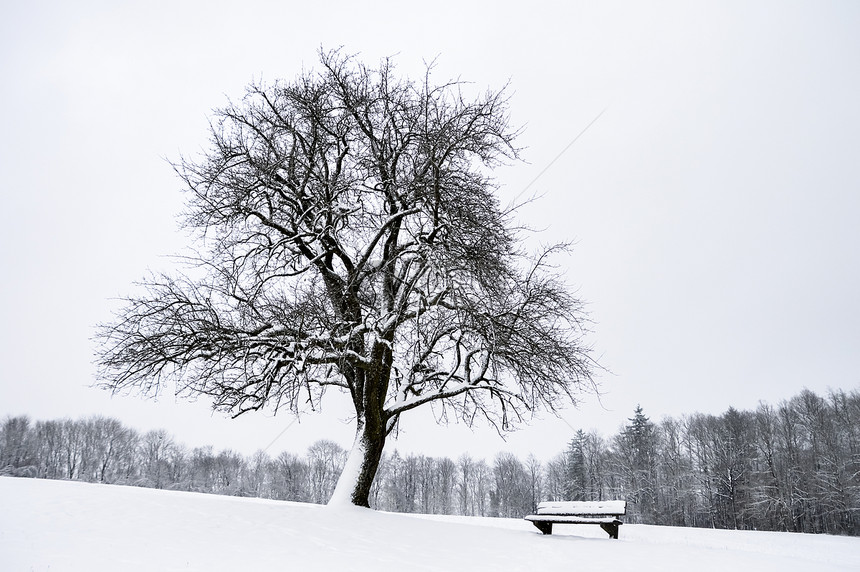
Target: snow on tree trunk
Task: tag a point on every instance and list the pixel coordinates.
(353, 486)
(346, 484)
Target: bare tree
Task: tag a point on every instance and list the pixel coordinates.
(512, 492)
(155, 449)
(465, 465)
(73, 444)
(16, 457)
(291, 478)
(350, 238)
(49, 437)
(325, 461)
(534, 469)
(557, 479)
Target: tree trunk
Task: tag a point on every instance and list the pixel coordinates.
(356, 480)
(371, 386)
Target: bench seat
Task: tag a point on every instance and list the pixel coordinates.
(605, 514)
(571, 519)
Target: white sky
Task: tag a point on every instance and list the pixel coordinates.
(715, 204)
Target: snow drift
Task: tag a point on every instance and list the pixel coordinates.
(72, 526)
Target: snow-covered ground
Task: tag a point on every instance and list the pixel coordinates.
(68, 526)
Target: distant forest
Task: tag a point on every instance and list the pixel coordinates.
(792, 467)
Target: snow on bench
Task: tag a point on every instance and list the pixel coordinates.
(603, 513)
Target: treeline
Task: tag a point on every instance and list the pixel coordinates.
(793, 467)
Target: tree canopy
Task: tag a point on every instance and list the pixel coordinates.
(349, 236)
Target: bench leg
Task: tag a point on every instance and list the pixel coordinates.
(545, 527)
(611, 529)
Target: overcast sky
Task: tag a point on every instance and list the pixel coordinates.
(715, 203)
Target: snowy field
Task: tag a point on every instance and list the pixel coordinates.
(67, 526)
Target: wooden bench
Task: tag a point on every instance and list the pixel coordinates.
(604, 513)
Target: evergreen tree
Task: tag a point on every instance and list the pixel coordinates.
(576, 468)
(636, 454)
